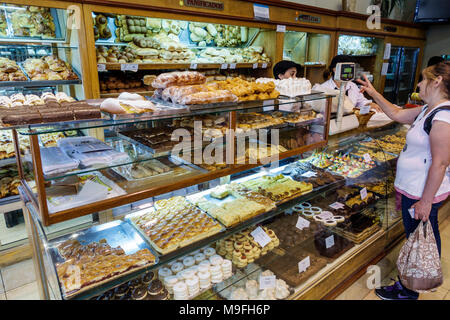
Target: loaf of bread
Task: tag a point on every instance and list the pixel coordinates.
(176, 93)
(209, 97)
(178, 78)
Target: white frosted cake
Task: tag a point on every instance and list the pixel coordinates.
(290, 87)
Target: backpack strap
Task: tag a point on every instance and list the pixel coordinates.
(429, 120)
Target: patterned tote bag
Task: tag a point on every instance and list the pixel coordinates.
(419, 264)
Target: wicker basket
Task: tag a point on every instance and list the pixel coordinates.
(363, 119)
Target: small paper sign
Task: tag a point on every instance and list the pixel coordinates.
(336, 206)
(329, 242)
(255, 66)
(387, 51)
(325, 215)
(232, 65)
(193, 66)
(364, 109)
(267, 282)
(302, 223)
(129, 67)
(261, 237)
(224, 66)
(101, 67)
(281, 28)
(384, 68)
(304, 264)
(367, 157)
(264, 65)
(309, 174)
(363, 193)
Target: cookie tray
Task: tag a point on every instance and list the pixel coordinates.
(128, 218)
(116, 233)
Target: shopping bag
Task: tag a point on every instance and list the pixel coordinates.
(419, 264)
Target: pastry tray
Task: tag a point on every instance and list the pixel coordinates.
(116, 233)
(171, 251)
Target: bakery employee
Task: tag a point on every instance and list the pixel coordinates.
(286, 69)
(352, 91)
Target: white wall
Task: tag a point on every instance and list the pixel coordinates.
(438, 42)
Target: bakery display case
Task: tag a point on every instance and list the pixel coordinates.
(269, 229)
(141, 42)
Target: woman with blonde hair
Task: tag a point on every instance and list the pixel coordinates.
(423, 176)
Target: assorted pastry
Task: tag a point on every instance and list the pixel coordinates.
(3, 24)
(32, 21)
(144, 169)
(10, 180)
(7, 144)
(51, 111)
(243, 249)
(248, 91)
(394, 147)
(251, 54)
(145, 287)
(87, 264)
(242, 287)
(308, 173)
(10, 71)
(233, 204)
(278, 188)
(101, 29)
(48, 68)
(192, 274)
(254, 120)
(174, 223)
(331, 245)
(376, 155)
(19, 99)
(121, 82)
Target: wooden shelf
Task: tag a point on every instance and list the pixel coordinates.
(159, 66)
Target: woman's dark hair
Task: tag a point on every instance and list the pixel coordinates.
(435, 60)
(337, 59)
(441, 69)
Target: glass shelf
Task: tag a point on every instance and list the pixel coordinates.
(36, 129)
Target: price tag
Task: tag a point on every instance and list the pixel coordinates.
(267, 282)
(193, 66)
(264, 65)
(281, 28)
(336, 205)
(364, 109)
(255, 66)
(304, 264)
(367, 157)
(329, 242)
(261, 237)
(129, 67)
(309, 174)
(232, 65)
(302, 223)
(363, 193)
(224, 66)
(101, 67)
(325, 215)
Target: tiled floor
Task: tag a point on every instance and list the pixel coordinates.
(18, 282)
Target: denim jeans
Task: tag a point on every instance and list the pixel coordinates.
(411, 224)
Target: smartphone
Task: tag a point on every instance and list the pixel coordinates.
(412, 212)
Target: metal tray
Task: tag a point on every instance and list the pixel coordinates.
(116, 233)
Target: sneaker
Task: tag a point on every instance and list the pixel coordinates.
(396, 292)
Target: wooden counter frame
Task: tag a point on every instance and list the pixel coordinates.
(48, 219)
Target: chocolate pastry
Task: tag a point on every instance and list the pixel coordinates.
(148, 277)
(21, 118)
(340, 246)
(163, 295)
(56, 116)
(139, 293)
(91, 113)
(121, 290)
(155, 287)
(135, 283)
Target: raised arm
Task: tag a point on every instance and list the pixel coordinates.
(398, 114)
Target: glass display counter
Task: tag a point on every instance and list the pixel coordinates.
(39, 54)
